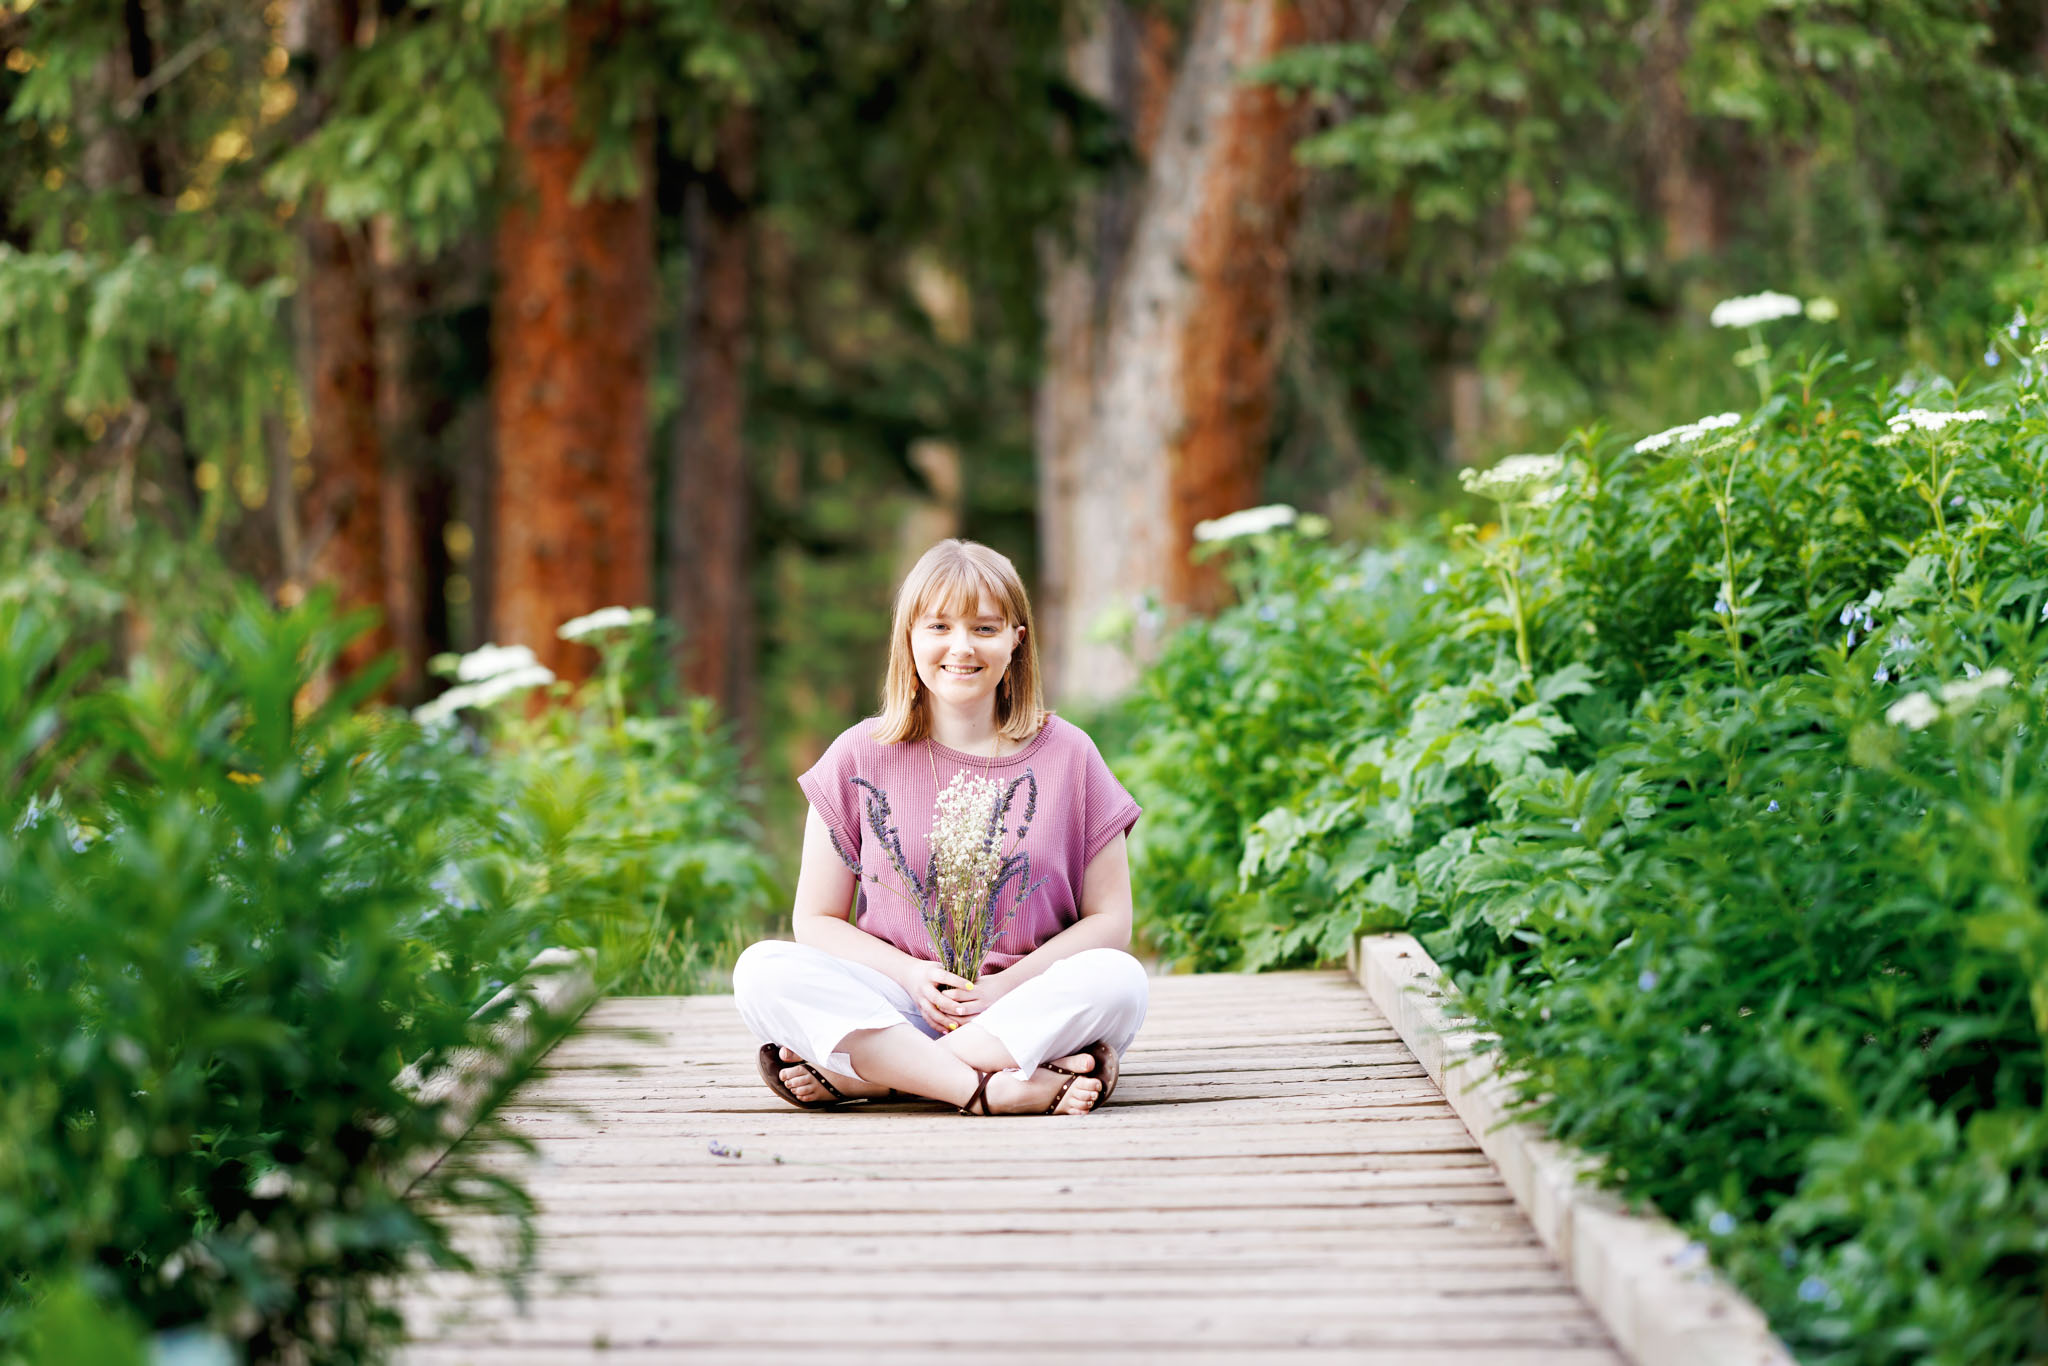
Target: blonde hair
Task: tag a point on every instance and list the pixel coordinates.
(953, 577)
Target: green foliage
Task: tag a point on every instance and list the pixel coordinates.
(621, 823)
(1745, 869)
(248, 932)
(224, 944)
(1548, 193)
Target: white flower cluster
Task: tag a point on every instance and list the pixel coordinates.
(488, 661)
(1750, 309)
(968, 846)
(605, 619)
(1924, 420)
(1245, 522)
(1918, 711)
(1517, 479)
(485, 677)
(1687, 433)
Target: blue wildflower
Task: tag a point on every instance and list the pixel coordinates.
(1722, 1224)
(1813, 1290)
(720, 1150)
(1577, 826)
(1646, 980)
(1991, 355)
(1773, 806)
(1883, 675)
(1691, 1255)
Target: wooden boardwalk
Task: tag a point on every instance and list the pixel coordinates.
(1276, 1178)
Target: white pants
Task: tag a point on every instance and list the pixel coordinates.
(808, 1001)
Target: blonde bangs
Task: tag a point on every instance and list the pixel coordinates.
(953, 578)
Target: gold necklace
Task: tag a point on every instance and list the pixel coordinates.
(932, 758)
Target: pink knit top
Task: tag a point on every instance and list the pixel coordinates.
(1081, 808)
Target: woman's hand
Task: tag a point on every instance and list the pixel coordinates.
(927, 983)
(992, 987)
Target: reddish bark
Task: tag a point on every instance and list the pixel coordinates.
(340, 519)
(342, 512)
(708, 504)
(1237, 256)
(573, 521)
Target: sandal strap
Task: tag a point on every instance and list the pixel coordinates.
(1065, 1087)
(819, 1077)
(980, 1095)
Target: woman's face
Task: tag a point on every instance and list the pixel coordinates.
(961, 657)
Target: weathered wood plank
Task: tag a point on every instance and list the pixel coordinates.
(1276, 1178)
(846, 1353)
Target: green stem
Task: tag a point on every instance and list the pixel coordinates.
(615, 709)
(1762, 368)
(1510, 576)
(1724, 508)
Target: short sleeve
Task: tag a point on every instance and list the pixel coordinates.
(1111, 810)
(828, 787)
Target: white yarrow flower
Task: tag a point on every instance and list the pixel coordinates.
(1245, 522)
(1926, 421)
(1750, 309)
(604, 619)
(488, 661)
(1962, 694)
(483, 693)
(1914, 711)
(1687, 433)
(493, 690)
(1517, 478)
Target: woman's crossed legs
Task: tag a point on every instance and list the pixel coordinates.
(864, 1033)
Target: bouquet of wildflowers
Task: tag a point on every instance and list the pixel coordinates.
(975, 862)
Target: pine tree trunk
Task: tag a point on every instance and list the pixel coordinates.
(415, 483)
(1685, 197)
(572, 523)
(1124, 60)
(341, 515)
(1181, 400)
(709, 508)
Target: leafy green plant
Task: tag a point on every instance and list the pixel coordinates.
(619, 819)
(1713, 771)
(224, 944)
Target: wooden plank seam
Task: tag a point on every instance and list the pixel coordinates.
(1647, 1281)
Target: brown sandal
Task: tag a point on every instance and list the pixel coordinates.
(1104, 1071)
(980, 1096)
(771, 1072)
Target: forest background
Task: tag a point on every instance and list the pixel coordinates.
(489, 313)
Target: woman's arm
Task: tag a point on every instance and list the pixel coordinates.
(1105, 923)
(824, 900)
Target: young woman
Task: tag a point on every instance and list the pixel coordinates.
(858, 1007)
